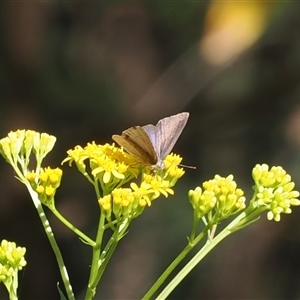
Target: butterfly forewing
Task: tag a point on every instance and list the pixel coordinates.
(165, 134)
(137, 143)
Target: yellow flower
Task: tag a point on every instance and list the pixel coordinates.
(30, 176)
(172, 160)
(156, 186)
(17, 147)
(109, 164)
(11, 146)
(49, 191)
(106, 205)
(130, 202)
(77, 155)
(274, 190)
(5, 150)
(273, 177)
(12, 256)
(202, 201)
(111, 168)
(121, 202)
(16, 141)
(45, 184)
(40, 189)
(106, 169)
(219, 194)
(11, 261)
(141, 193)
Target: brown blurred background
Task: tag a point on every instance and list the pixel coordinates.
(86, 70)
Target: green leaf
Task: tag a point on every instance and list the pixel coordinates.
(62, 296)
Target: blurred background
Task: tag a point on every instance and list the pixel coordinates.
(83, 71)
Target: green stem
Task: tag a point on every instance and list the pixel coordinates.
(195, 226)
(212, 232)
(105, 260)
(53, 243)
(13, 296)
(107, 254)
(91, 288)
(85, 238)
(20, 175)
(11, 285)
(96, 186)
(175, 263)
(231, 228)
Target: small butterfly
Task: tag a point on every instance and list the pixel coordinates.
(150, 144)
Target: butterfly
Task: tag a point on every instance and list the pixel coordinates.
(150, 144)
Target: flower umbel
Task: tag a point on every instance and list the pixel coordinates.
(219, 198)
(17, 147)
(111, 167)
(105, 164)
(128, 203)
(172, 171)
(11, 261)
(108, 168)
(45, 183)
(274, 191)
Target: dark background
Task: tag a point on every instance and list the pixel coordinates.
(83, 71)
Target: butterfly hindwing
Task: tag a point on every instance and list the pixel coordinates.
(137, 143)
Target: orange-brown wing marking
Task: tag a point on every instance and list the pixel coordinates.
(137, 143)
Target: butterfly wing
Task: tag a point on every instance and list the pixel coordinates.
(136, 142)
(165, 134)
(151, 131)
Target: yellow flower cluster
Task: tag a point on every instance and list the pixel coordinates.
(107, 163)
(122, 202)
(11, 260)
(172, 171)
(18, 145)
(107, 167)
(130, 202)
(45, 183)
(112, 168)
(220, 196)
(275, 190)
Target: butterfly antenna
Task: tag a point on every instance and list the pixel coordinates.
(188, 167)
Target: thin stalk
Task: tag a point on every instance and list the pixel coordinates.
(105, 261)
(91, 288)
(231, 228)
(174, 264)
(53, 243)
(84, 237)
(107, 254)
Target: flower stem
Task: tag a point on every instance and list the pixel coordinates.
(106, 258)
(91, 288)
(53, 243)
(231, 228)
(103, 260)
(85, 238)
(174, 264)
